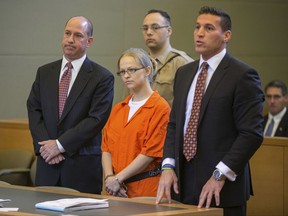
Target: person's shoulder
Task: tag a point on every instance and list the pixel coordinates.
(51, 64)
(189, 66)
(182, 55)
(236, 62)
(159, 101)
(95, 66)
(286, 114)
(123, 102)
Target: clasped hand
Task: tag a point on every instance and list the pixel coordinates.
(115, 188)
(50, 153)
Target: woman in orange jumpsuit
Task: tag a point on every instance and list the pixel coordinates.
(134, 135)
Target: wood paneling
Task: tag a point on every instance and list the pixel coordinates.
(15, 133)
(269, 167)
(286, 180)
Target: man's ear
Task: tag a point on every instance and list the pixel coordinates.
(90, 41)
(170, 31)
(227, 36)
(286, 98)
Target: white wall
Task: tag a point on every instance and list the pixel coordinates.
(31, 33)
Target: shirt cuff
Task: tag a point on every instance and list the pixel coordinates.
(230, 174)
(60, 147)
(170, 161)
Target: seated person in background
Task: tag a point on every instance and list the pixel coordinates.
(134, 134)
(276, 121)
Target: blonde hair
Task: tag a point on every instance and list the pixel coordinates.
(142, 58)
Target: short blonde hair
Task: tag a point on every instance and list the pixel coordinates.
(142, 58)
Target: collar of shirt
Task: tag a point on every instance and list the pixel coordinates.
(214, 61)
(277, 118)
(135, 105)
(75, 70)
(162, 57)
(76, 64)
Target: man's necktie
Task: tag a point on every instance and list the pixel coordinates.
(190, 138)
(270, 128)
(64, 86)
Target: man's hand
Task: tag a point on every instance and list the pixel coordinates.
(57, 159)
(167, 179)
(49, 150)
(210, 189)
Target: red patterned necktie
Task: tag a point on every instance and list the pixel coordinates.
(190, 138)
(64, 87)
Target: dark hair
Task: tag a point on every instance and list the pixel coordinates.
(277, 84)
(225, 23)
(162, 13)
(89, 27)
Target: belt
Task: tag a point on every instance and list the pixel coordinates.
(144, 175)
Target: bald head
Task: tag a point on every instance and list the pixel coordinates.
(86, 23)
(77, 37)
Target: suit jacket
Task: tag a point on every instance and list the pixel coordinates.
(229, 130)
(85, 113)
(282, 130)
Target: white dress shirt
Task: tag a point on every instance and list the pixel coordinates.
(277, 118)
(77, 64)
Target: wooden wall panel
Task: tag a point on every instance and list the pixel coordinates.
(15, 134)
(286, 181)
(270, 179)
(269, 167)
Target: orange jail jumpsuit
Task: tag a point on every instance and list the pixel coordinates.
(143, 134)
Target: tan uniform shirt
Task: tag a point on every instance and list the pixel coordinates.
(163, 80)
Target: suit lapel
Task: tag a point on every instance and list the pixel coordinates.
(185, 82)
(77, 88)
(215, 80)
(265, 120)
(54, 79)
(282, 125)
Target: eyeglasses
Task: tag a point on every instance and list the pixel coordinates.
(129, 71)
(153, 27)
(275, 97)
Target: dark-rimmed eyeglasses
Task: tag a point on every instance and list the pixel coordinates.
(275, 97)
(128, 71)
(153, 27)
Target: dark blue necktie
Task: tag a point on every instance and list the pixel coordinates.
(270, 128)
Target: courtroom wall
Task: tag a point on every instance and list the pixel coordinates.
(31, 33)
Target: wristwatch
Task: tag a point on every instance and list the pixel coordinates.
(218, 175)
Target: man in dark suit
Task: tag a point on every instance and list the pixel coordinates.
(229, 128)
(277, 118)
(68, 142)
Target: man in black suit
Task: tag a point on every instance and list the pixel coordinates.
(229, 128)
(68, 142)
(276, 98)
